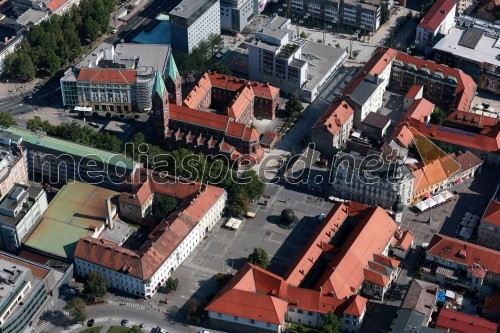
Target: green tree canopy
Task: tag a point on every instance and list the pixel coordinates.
(259, 257)
(77, 309)
(6, 120)
(215, 42)
(303, 34)
(95, 286)
(438, 116)
(385, 14)
(172, 284)
(293, 106)
(164, 206)
(238, 204)
(18, 65)
(331, 324)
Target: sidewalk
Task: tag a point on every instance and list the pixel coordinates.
(11, 89)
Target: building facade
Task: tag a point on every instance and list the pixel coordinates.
(20, 209)
(489, 228)
(12, 169)
(192, 22)
(438, 21)
(54, 160)
(236, 14)
(349, 13)
(293, 64)
(142, 272)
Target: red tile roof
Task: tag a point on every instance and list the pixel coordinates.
(468, 160)
(242, 102)
(405, 241)
(464, 323)
(420, 109)
(386, 261)
(54, 5)
(198, 93)
(436, 15)
(375, 277)
(198, 117)
(357, 306)
(323, 234)
(492, 213)
(312, 300)
(164, 238)
(414, 90)
(370, 236)
(457, 137)
(465, 84)
(107, 75)
(449, 248)
(335, 117)
(484, 125)
(492, 304)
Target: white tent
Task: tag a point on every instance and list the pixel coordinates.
(439, 198)
(465, 233)
(233, 223)
(431, 202)
(447, 195)
(422, 206)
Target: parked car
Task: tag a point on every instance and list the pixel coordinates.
(90, 322)
(124, 322)
(71, 291)
(321, 217)
(142, 325)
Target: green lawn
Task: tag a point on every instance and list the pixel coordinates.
(119, 329)
(92, 330)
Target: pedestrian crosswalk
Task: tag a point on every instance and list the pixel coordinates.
(133, 305)
(41, 326)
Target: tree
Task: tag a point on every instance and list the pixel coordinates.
(51, 62)
(172, 284)
(222, 278)
(238, 204)
(259, 257)
(92, 29)
(216, 42)
(293, 106)
(192, 309)
(331, 324)
(222, 69)
(303, 34)
(253, 186)
(95, 286)
(20, 66)
(76, 309)
(164, 206)
(438, 116)
(385, 14)
(6, 120)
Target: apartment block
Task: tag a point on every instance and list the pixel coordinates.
(489, 228)
(192, 21)
(437, 22)
(236, 14)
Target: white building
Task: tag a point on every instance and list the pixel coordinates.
(366, 90)
(236, 14)
(438, 21)
(193, 21)
(142, 272)
(295, 65)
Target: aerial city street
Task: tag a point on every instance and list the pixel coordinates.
(250, 166)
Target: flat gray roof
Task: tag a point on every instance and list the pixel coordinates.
(155, 55)
(188, 7)
(8, 203)
(363, 92)
(485, 50)
(321, 59)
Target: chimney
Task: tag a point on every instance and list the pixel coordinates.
(109, 214)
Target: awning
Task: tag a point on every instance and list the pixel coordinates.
(450, 294)
(422, 206)
(446, 195)
(251, 214)
(431, 202)
(439, 198)
(233, 223)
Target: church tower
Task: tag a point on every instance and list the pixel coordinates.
(160, 115)
(173, 81)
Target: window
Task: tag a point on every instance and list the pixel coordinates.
(310, 313)
(252, 321)
(235, 318)
(268, 324)
(291, 310)
(219, 315)
(300, 311)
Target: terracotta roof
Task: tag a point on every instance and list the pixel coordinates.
(387, 261)
(420, 109)
(492, 304)
(253, 293)
(436, 15)
(198, 93)
(107, 75)
(312, 300)
(323, 234)
(54, 5)
(243, 101)
(336, 116)
(370, 236)
(265, 90)
(466, 86)
(198, 117)
(375, 277)
(483, 124)
(435, 172)
(405, 241)
(164, 238)
(458, 137)
(414, 90)
(464, 323)
(449, 248)
(492, 213)
(242, 131)
(357, 305)
(402, 135)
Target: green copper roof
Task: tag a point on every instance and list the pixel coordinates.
(172, 68)
(159, 85)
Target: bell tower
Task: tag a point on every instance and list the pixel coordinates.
(160, 115)
(173, 81)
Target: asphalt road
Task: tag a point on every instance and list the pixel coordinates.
(144, 16)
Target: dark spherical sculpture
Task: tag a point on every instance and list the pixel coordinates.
(287, 217)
